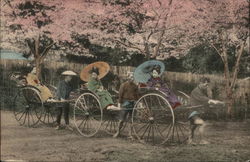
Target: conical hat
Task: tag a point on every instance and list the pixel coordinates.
(103, 68)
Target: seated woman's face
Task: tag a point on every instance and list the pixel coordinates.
(94, 75)
(155, 74)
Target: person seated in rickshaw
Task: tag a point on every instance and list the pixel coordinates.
(155, 82)
(95, 85)
(33, 80)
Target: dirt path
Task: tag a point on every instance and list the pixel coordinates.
(229, 142)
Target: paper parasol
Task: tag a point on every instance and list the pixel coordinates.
(142, 72)
(103, 68)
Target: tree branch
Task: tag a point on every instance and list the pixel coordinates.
(36, 54)
(129, 46)
(31, 45)
(236, 67)
(218, 52)
(45, 51)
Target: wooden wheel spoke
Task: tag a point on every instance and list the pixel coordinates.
(181, 131)
(82, 104)
(145, 125)
(28, 112)
(169, 130)
(33, 119)
(157, 130)
(153, 133)
(85, 121)
(25, 117)
(106, 121)
(146, 129)
(81, 123)
(177, 133)
(149, 132)
(52, 118)
(23, 112)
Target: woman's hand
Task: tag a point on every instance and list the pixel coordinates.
(100, 88)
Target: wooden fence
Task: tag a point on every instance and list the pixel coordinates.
(242, 89)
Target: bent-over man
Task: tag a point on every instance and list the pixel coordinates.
(200, 96)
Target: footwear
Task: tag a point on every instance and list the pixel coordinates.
(130, 137)
(203, 142)
(190, 141)
(58, 127)
(69, 127)
(116, 135)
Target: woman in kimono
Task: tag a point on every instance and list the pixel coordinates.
(95, 85)
(33, 80)
(156, 83)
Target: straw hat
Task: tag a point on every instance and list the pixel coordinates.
(69, 72)
(103, 69)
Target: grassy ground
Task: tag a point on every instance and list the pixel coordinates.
(229, 141)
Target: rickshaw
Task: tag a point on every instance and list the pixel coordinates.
(88, 116)
(153, 120)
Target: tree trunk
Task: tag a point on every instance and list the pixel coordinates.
(156, 49)
(232, 80)
(229, 103)
(37, 58)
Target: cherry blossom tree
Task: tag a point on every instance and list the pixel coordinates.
(171, 28)
(154, 28)
(43, 25)
(150, 27)
(229, 35)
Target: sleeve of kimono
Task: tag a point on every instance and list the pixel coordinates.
(121, 92)
(93, 85)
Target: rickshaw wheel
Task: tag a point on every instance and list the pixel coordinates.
(180, 129)
(27, 105)
(111, 122)
(88, 114)
(152, 119)
(179, 133)
(48, 115)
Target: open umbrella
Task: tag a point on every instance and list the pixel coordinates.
(103, 68)
(142, 72)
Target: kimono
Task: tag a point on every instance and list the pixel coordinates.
(45, 93)
(154, 83)
(104, 96)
